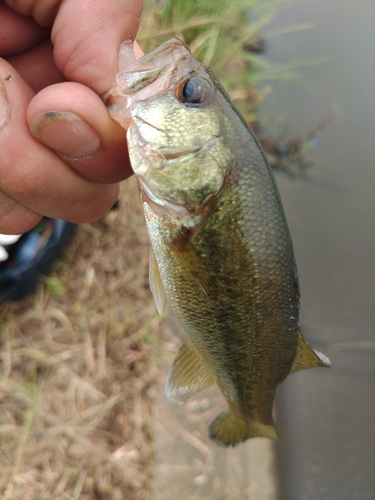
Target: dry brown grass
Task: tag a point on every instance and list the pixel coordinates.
(78, 371)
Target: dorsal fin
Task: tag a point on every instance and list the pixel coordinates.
(187, 375)
(306, 357)
(156, 284)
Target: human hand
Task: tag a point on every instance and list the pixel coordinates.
(64, 164)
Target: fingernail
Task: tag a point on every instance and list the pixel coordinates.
(4, 107)
(126, 55)
(65, 133)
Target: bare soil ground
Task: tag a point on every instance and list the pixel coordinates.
(78, 374)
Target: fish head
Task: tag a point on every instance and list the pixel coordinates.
(171, 106)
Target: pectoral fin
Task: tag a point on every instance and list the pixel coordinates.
(156, 285)
(187, 375)
(306, 357)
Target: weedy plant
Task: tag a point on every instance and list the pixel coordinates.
(224, 35)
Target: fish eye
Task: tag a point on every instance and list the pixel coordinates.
(195, 90)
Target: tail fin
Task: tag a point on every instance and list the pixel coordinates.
(229, 430)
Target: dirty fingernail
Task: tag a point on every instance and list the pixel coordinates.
(65, 133)
(4, 107)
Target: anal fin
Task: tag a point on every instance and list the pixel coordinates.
(187, 375)
(306, 357)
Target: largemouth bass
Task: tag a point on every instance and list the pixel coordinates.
(222, 253)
